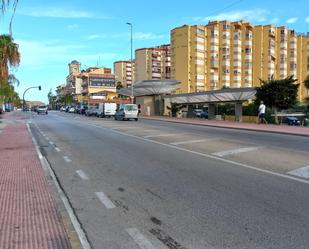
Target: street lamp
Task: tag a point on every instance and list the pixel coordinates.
(132, 94)
(39, 87)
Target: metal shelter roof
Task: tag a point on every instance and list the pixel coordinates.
(151, 87)
(215, 96)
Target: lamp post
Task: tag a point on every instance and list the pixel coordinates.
(39, 87)
(132, 94)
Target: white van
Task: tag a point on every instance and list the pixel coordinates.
(106, 110)
(127, 112)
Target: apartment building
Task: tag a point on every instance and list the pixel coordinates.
(153, 63)
(98, 84)
(236, 54)
(124, 72)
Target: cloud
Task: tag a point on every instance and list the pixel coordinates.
(73, 26)
(60, 13)
(255, 15)
(147, 36)
(292, 20)
(307, 19)
(136, 36)
(274, 20)
(47, 54)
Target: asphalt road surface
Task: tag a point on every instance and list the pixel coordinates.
(151, 184)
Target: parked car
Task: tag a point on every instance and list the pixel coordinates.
(71, 110)
(197, 113)
(42, 109)
(91, 110)
(127, 112)
(292, 121)
(63, 108)
(204, 114)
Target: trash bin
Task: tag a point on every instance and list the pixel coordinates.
(306, 122)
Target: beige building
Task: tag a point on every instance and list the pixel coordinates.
(153, 63)
(98, 85)
(124, 72)
(236, 54)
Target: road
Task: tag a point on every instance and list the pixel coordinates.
(151, 184)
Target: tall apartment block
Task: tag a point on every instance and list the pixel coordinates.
(153, 63)
(124, 72)
(237, 54)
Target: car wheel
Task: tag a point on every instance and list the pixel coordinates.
(136, 119)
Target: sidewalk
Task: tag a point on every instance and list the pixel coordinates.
(282, 129)
(28, 216)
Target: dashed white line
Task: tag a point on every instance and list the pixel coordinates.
(57, 149)
(161, 135)
(301, 172)
(139, 238)
(47, 138)
(67, 159)
(51, 143)
(192, 141)
(82, 175)
(105, 200)
(235, 151)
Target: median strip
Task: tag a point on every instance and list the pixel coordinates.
(301, 172)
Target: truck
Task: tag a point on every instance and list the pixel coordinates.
(106, 110)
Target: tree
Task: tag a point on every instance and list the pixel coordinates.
(4, 4)
(9, 55)
(306, 82)
(278, 94)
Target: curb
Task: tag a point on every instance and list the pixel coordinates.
(226, 127)
(77, 236)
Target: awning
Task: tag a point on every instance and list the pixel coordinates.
(151, 87)
(215, 96)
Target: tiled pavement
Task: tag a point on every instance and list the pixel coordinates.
(283, 129)
(28, 212)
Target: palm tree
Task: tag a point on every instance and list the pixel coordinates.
(4, 4)
(9, 55)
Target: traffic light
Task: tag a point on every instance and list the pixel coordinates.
(40, 88)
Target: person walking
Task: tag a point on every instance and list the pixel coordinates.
(262, 110)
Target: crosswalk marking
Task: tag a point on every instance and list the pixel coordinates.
(193, 141)
(235, 151)
(301, 172)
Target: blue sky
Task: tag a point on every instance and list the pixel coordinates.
(53, 33)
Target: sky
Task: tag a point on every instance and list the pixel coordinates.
(51, 34)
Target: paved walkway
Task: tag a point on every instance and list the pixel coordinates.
(28, 212)
(283, 129)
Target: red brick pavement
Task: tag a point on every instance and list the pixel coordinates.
(28, 212)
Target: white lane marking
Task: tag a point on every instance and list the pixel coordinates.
(161, 135)
(51, 143)
(215, 157)
(67, 159)
(105, 200)
(301, 172)
(139, 238)
(47, 138)
(193, 141)
(235, 151)
(77, 226)
(57, 149)
(82, 174)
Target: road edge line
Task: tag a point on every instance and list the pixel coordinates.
(74, 220)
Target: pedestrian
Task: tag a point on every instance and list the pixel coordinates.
(262, 109)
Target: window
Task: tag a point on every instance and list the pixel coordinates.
(200, 31)
(226, 71)
(282, 31)
(226, 26)
(248, 35)
(248, 50)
